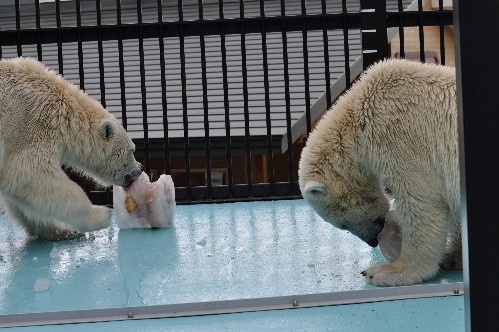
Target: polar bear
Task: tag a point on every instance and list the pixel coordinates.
(395, 128)
(46, 122)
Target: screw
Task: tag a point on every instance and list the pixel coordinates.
(295, 303)
(456, 291)
(130, 315)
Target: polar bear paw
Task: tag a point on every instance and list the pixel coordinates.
(100, 218)
(395, 274)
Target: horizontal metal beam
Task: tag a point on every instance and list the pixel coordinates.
(232, 306)
(211, 27)
(177, 29)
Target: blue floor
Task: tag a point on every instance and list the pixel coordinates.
(213, 252)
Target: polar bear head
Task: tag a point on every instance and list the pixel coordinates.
(340, 191)
(106, 154)
(358, 211)
(116, 164)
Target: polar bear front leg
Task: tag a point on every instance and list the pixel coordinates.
(53, 196)
(424, 240)
(43, 230)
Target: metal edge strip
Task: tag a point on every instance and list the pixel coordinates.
(233, 306)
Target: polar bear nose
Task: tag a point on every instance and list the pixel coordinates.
(373, 242)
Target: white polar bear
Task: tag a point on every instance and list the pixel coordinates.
(396, 128)
(45, 122)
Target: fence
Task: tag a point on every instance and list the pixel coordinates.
(220, 94)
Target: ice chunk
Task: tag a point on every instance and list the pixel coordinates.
(161, 202)
(145, 204)
(41, 284)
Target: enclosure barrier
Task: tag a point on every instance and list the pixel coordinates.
(221, 95)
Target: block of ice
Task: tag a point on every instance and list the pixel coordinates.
(145, 204)
(41, 284)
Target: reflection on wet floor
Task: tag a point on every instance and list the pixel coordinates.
(213, 252)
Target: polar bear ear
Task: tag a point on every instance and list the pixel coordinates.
(314, 190)
(106, 129)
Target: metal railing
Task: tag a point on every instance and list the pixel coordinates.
(299, 18)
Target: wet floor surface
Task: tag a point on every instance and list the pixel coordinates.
(213, 252)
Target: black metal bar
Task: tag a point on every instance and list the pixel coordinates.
(268, 120)
(346, 47)
(249, 173)
(261, 191)
(143, 91)
(442, 33)
(60, 60)
(1, 43)
(121, 65)
(414, 18)
(401, 30)
(478, 120)
(164, 101)
(421, 32)
(289, 134)
(18, 28)
(306, 74)
(212, 27)
(186, 28)
(226, 99)
(100, 50)
(81, 72)
(325, 42)
(187, 158)
(206, 118)
(38, 26)
(374, 38)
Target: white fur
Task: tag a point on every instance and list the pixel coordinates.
(46, 121)
(396, 127)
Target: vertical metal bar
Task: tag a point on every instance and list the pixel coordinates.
(102, 82)
(477, 123)
(305, 66)
(206, 118)
(184, 102)
(121, 65)
(346, 46)
(59, 41)
(373, 27)
(401, 30)
(145, 124)
(245, 101)
(18, 28)
(164, 101)
(268, 121)
(287, 97)
(228, 143)
(38, 27)
(326, 54)
(442, 32)
(81, 72)
(421, 31)
(1, 53)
